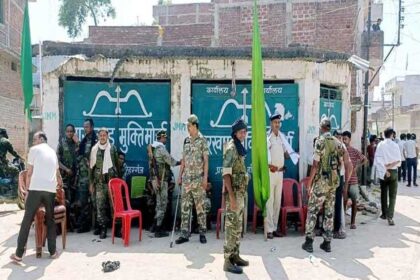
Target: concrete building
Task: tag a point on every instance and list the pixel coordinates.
(403, 90)
(166, 84)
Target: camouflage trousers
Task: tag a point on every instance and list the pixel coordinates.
(8, 170)
(322, 195)
(84, 218)
(101, 203)
(161, 203)
(233, 225)
(193, 194)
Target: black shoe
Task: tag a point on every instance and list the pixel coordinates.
(326, 246)
(383, 217)
(83, 230)
(277, 234)
(416, 185)
(203, 239)
(153, 227)
(307, 246)
(237, 260)
(230, 267)
(391, 222)
(270, 235)
(102, 235)
(181, 240)
(160, 232)
(409, 185)
(97, 231)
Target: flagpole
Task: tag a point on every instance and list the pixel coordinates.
(26, 141)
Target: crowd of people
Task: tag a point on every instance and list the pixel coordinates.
(84, 168)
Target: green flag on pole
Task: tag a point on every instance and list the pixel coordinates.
(258, 117)
(26, 62)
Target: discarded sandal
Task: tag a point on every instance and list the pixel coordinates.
(110, 266)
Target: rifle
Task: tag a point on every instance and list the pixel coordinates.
(154, 171)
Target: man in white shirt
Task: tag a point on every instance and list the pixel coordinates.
(387, 160)
(402, 174)
(410, 153)
(42, 178)
(276, 155)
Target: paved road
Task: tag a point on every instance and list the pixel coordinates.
(373, 251)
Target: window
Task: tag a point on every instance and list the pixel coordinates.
(330, 93)
(1, 11)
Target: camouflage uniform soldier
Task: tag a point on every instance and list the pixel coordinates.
(163, 161)
(7, 169)
(67, 156)
(82, 192)
(323, 181)
(104, 166)
(235, 180)
(193, 177)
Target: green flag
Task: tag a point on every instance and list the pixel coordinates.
(258, 118)
(26, 62)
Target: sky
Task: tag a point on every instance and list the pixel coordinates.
(44, 26)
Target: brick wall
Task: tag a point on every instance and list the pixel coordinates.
(11, 99)
(174, 35)
(329, 25)
(11, 104)
(10, 30)
(123, 35)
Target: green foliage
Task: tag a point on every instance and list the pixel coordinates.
(74, 13)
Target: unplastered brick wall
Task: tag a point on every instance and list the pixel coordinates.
(328, 24)
(11, 104)
(10, 29)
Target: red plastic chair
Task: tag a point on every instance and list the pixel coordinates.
(115, 187)
(288, 204)
(220, 214)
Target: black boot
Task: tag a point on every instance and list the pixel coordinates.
(181, 240)
(83, 229)
(307, 246)
(236, 259)
(97, 231)
(159, 232)
(153, 227)
(203, 239)
(230, 267)
(103, 233)
(326, 246)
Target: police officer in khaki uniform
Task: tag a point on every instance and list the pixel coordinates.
(235, 181)
(193, 177)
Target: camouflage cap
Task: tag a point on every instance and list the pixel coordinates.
(325, 122)
(161, 134)
(193, 119)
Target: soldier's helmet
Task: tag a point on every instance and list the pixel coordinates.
(325, 123)
(161, 134)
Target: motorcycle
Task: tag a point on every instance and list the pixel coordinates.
(9, 186)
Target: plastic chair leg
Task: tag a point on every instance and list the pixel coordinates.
(140, 226)
(64, 232)
(113, 230)
(219, 214)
